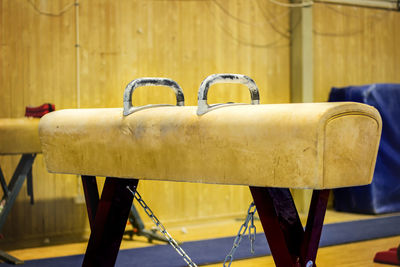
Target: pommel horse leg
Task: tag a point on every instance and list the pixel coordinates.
(290, 245)
(107, 216)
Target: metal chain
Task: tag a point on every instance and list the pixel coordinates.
(161, 227)
(252, 232)
(242, 231)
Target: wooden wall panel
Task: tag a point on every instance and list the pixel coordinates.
(183, 40)
(37, 55)
(354, 46)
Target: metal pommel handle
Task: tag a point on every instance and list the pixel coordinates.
(129, 108)
(202, 105)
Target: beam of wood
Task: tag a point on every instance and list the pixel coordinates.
(301, 85)
(384, 4)
(301, 55)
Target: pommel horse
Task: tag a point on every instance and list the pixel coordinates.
(270, 148)
(18, 136)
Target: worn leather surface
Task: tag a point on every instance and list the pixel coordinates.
(317, 145)
(19, 136)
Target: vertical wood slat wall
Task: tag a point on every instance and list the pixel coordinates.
(121, 41)
(354, 46)
(185, 40)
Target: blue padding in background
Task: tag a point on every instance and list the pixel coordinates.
(383, 195)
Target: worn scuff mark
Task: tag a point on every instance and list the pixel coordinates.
(276, 161)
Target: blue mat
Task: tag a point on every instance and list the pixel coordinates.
(383, 194)
(214, 250)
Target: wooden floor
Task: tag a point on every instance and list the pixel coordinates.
(355, 254)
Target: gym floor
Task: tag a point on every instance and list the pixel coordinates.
(354, 254)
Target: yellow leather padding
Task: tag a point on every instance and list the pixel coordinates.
(315, 145)
(19, 136)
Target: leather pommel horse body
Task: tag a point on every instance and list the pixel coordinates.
(19, 136)
(269, 148)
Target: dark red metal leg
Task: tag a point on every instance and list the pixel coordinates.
(281, 223)
(289, 244)
(109, 223)
(314, 225)
(91, 197)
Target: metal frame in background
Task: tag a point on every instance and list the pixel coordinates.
(10, 193)
(138, 228)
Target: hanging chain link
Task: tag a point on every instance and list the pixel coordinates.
(242, 231)
(161, 228)
(252, 231)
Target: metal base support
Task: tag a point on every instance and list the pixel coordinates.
(392, 256)
(10, 259)
(108, 216)
(139, 229)
(290, 245)
(10, 193)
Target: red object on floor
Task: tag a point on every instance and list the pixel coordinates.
(40, 111)
(392, 256)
